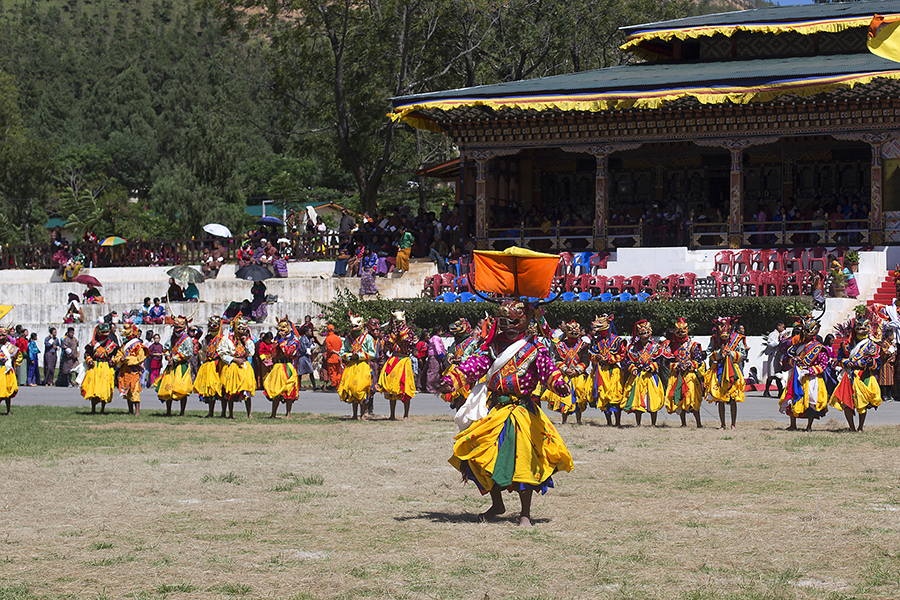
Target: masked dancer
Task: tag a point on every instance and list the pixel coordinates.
(10, 358)
(643, 390)
(282, 383)
(356, 379)
(397, 381)
(571, 355)
(858, 390)
(607, 352)
(724, 380)
(465, 344)
(208, 383)
(805, 395)
(684, 393)
(97, 385)
(129, 359)
(175, 382)
(235, 351)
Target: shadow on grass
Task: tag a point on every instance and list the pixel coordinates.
(446, 517)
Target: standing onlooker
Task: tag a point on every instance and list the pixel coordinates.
(68, 358)
(157, 351)
(888, 361)
(34, 373)
(22, 344)
(404, 249)
(436, 353)
(422, 355)
(304, 357)
(51, 354)
(772, 366)
(333, 367)
(196, 334)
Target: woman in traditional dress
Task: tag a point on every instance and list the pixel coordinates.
(724, 380)
(514, 447)
(571, 356)
(176, 382)
(208, 383)
(436, 352)
(258, 310)
(356, 379)
(805, 395)
(235, 351)
(396, 380)
(282, 384)
(130, 361)
(305, 350)
(644, 391)
(684, 393)
(858, 390)
(607, 352)
(367, 266)
(99, 379)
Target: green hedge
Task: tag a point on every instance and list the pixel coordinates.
(758, 315)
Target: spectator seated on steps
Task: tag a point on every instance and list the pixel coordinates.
(92, 295)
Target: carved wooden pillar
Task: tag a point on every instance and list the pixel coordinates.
(601, 186)
(482, 162)
(736, 195)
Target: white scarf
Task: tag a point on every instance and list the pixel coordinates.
(475, 406)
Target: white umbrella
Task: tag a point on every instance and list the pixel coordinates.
(217, 230)
(311, 213)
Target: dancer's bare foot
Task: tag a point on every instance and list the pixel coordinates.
(491, 513)
(791, 428)
(734, 426)
(524, 522)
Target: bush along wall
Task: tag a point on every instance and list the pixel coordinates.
(757, 315)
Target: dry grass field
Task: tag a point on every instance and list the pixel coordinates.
(325, 508)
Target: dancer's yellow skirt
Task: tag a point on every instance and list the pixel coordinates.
(577, 398)
(175, 382)
(98, 382)
(856, 393)
(804, 396)
(605, 387)
(514, 447)
(9, 386)
(237, 380)
(643, 393)
(397, 381)
(208, 382)
(355, 382)
(725, 389)
(282, 382)
(684, 392)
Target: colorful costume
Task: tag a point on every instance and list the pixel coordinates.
(464, 345)
(175, 382)
(724, 380)
(515, 446)
(99, 379)
(397, 381)
(282, 381)
(858, 388)
(644, 387)
(238, 381)
(10, 359)
(333, 365)
(607, 351)
(684, 392)
(130, 361)
(571, 356)
(208, 383)
(357, 351)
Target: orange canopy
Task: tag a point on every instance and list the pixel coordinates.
(515, 272)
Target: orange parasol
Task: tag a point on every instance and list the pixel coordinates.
(515, 271)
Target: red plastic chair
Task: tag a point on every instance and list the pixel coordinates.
(792, 260)
(794, 282)
(431, 287)
(634, 283)
(567, 261)
(766, 260)
(598, 262)
(463, 283)
(744, 259)
(725, 261)
(583, 283)
(774, 280)
(816, 259)
(562, 283)
(649, 283)
(686, 282)
(670, 283)
(723, 282)
(447, 284)
(597, 286)
(617, 283)
(751, 280)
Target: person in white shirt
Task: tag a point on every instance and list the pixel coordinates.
(771, 367)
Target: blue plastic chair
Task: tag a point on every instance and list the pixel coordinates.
(584, 296)
(447, 297)
(582, 260)
(604, 297)
(625, 297)
(567, 297)
(641, 296)
(466, 297)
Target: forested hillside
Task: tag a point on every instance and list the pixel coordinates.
(196, 109)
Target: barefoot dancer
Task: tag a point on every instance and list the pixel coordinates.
(208, 383)
(356, 380)
(235, 352)
(396, 380)
(282, 383)
(571, 357)
(724, 379)
(10, 358)
(465, 344)
(99, 380)
(176, 382)
(130, 361)
(607, 352)
(684, 393)
(805, 394)
(858, 387)
(514, 447)
(644, 390)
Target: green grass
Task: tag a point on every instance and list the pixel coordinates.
(16, 592)
(229, 477)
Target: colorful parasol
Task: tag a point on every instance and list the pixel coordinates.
(87, 280)
(113, 241)
(515, 272)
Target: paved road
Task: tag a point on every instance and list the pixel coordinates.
(756, 408)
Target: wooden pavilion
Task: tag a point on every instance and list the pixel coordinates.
(775, 126)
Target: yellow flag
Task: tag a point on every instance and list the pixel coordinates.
(882, 41)
(4, 309)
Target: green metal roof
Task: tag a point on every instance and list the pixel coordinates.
(652, 76)
(800, 12)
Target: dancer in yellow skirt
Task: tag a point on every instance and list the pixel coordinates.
(514, 447)
(805, 394)
(282, 383)
(724, 380)
(10, 359)
(356, 379)
(99, 379)
(208, 383)
(684, 393)
(129, 360)
(176, 383)
(465, 344)
(571, 356)
(858, 389)
(607, 351)
(235, 351)
(644, 391)
(397, 381)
